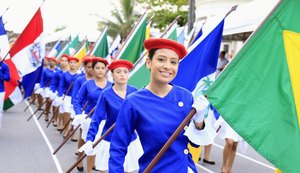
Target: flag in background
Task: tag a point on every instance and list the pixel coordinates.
(100, 48)
(181, 36)
(113, 48)
(4, 44)
(258, 92)
(82, 51)
(28, 52)
(134, 44)
(196, 71)
(70, 48)
(55, 49)
(13, 94)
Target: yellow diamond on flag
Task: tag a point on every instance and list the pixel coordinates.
(292, 50)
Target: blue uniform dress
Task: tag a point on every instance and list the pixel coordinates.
(55, 81)
(4, 75)
(108, 106)
(90, 92)
(46, 81)
(155, 119)
(64, 84)
(77, 85)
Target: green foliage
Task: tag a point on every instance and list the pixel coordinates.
(166, 11)
(60, 28)
(123, 20)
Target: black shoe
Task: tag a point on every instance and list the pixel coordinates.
(94, 168)
(199, 159)
(209, 162)
(74, 140)
(79, 168)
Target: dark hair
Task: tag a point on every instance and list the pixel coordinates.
(85, 63)
(94, 64)
(151, 53)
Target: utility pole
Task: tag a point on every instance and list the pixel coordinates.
(191, 15)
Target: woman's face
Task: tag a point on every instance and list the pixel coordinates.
(88, 69)
(73, 64)
(52, 63)
(163, 66)
(120, 75)
(99, 70)
(64, 62)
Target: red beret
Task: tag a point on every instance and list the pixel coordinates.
(88, 58)
(162, 43)
(99, 59)
(73, 59)
(120, 63)
(51, 58)
(65, 55)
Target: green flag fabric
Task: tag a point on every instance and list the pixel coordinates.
(258, 93)
(133, 47)
(101, 46)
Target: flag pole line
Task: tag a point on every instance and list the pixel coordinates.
(4, 11)
(94, 145)
(131, 32)
(170, 141)
(99, 38)
(163, 34)
(72, 132)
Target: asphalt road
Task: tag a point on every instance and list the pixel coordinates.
(27, 147)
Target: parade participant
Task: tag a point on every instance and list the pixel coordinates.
(38, 89)
(88, 75)
(89, 92)
(47, 77)
(232, 139)
(4, 76)
(155, 111)
(63, 63)
(65, 90)
(107, 109)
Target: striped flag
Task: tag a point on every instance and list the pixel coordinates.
(12, 92)
(100, 48)
(28, 53)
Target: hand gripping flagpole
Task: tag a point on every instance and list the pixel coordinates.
(94, 145)
(73, 131)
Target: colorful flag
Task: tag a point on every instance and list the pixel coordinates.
(70, 48)
(28, 53)
(56, 49)
(134, 44)
(82, 51)
(196, 71)
(12, 92)
(114, 47)
(258, 93)
(100, 48)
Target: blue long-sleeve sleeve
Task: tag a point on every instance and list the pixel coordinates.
(98, 116)
(42, 81)
(79, 99)
(121, 137)
(4, 75)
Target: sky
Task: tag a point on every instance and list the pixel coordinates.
(79, 16)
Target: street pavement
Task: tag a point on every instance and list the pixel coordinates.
(27, 147)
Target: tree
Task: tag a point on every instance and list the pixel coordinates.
(166, 11)
(123, 20)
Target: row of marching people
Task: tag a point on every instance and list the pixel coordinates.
(143, 119)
